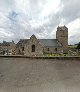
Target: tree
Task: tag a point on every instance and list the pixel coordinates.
(78, 47)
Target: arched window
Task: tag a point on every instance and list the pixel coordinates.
(55, 49)
(47, 49)
(33, 48)
(22, 48)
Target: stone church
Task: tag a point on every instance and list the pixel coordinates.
(39, 47)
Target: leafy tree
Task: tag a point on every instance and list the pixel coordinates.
(78, 47)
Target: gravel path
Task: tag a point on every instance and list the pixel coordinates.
(39, 75)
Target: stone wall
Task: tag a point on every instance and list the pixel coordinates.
(19, 51)
(62, 36)
(11, 47)
(53, 50)
(38, 47)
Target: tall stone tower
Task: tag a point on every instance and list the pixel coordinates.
(62, 37)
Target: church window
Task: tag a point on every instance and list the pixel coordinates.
(33, 48)
(22, 48)
(47, 49)
(55, 49)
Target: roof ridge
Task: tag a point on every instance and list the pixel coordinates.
(47, 39)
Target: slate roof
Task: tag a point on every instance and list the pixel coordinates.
(50, 42)
(5, 43)
(45, 42)
(22, 42)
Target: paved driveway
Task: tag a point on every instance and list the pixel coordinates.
(39, 75)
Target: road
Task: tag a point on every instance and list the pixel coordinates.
(39, 75)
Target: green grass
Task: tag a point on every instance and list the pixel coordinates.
(72, 46)
(56, 55)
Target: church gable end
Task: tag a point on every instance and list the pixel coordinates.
(33, 47)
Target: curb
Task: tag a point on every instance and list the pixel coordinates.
(45, 57)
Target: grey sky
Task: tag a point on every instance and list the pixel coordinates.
(21, 18)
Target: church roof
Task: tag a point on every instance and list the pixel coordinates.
(45, 42)
(50, 42)
(5, 43)
(22, 42)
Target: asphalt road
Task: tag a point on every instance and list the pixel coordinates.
(39, 75)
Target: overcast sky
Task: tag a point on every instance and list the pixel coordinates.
(20, 19)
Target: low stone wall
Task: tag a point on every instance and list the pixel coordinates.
(44, 57)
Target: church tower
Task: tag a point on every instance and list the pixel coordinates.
(62, 37)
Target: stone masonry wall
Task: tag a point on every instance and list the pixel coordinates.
(38, 47)
(62, 36)
(52, 50)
